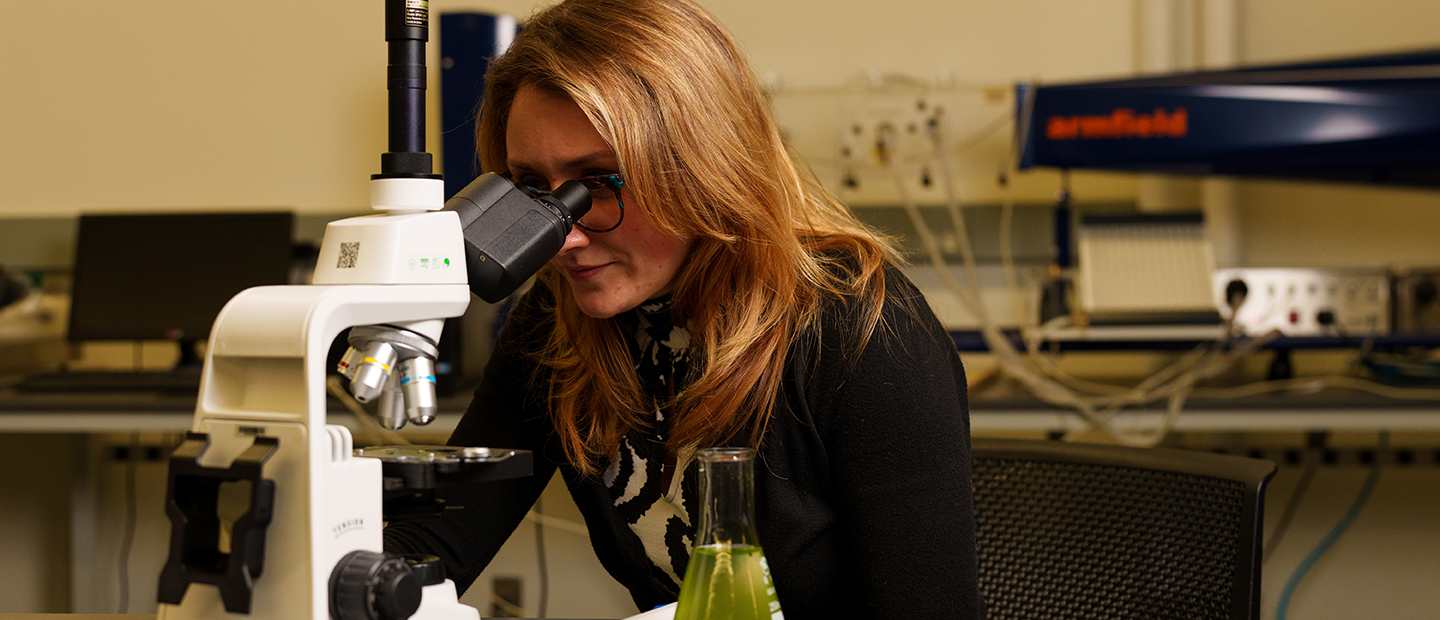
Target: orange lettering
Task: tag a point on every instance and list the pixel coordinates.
(1120, 123)
(1062, 128)
(1179, 124)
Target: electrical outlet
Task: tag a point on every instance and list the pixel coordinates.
(881, 128)
(1306, 302)
(890, 138)
(878, 131)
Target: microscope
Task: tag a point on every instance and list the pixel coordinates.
(307, 543)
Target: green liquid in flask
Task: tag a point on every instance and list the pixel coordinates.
(724, 582)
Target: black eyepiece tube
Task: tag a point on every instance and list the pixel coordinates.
(509, 235)
(407, 28)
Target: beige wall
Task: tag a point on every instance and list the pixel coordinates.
(1314, 224)
(1317, 225)
(1297, 30)
(162, 105)
(151, 104)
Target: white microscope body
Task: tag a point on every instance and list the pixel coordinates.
(264, 377)
(308, 544)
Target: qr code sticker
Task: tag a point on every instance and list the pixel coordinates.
(349, 252)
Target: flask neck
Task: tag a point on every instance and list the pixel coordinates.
(727, 495)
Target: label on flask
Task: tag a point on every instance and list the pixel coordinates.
(724, 582)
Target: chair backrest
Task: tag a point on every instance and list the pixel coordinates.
(1090, 531)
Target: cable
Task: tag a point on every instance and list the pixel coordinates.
(1047, 364)
(1315, 442)
(564, 525)
(541, 522)
(514, 610)
(540, 560)
(1291, 506)
(984, 133)
(1344, 524)
(1316, 383)
(1173, 385)
(1097, 404)
(127, 539)
(1007, 250)
(1367, 344)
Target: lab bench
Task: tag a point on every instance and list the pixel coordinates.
(94, 425)
(1329, 410)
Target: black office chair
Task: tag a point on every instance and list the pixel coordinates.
(1106, 532)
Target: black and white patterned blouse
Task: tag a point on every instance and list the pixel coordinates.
(652, 492)
(863, 502)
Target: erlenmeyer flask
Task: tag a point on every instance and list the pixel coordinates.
(727, 578)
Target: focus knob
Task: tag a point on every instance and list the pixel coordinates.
(429, 570)
(366, 585)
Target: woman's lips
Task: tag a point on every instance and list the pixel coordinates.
(584, 272)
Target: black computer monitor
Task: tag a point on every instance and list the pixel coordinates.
(166, 276)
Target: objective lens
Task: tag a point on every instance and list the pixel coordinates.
(349, 363)
(375, 365)
(417, 381)
(392, 408)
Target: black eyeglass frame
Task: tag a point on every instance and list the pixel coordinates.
(592, 183)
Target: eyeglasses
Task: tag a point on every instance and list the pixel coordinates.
(603, 216)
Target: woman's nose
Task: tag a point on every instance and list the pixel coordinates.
(576, 239)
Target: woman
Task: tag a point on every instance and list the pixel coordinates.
(714, 295)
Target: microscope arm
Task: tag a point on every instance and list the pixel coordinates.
(391, 279)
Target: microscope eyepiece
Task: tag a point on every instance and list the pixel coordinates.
(509, 235)
(572, 198)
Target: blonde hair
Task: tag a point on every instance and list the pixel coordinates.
(670, 92)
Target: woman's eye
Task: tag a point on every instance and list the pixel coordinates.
(532, 184)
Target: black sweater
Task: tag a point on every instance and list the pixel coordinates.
(864, 506)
